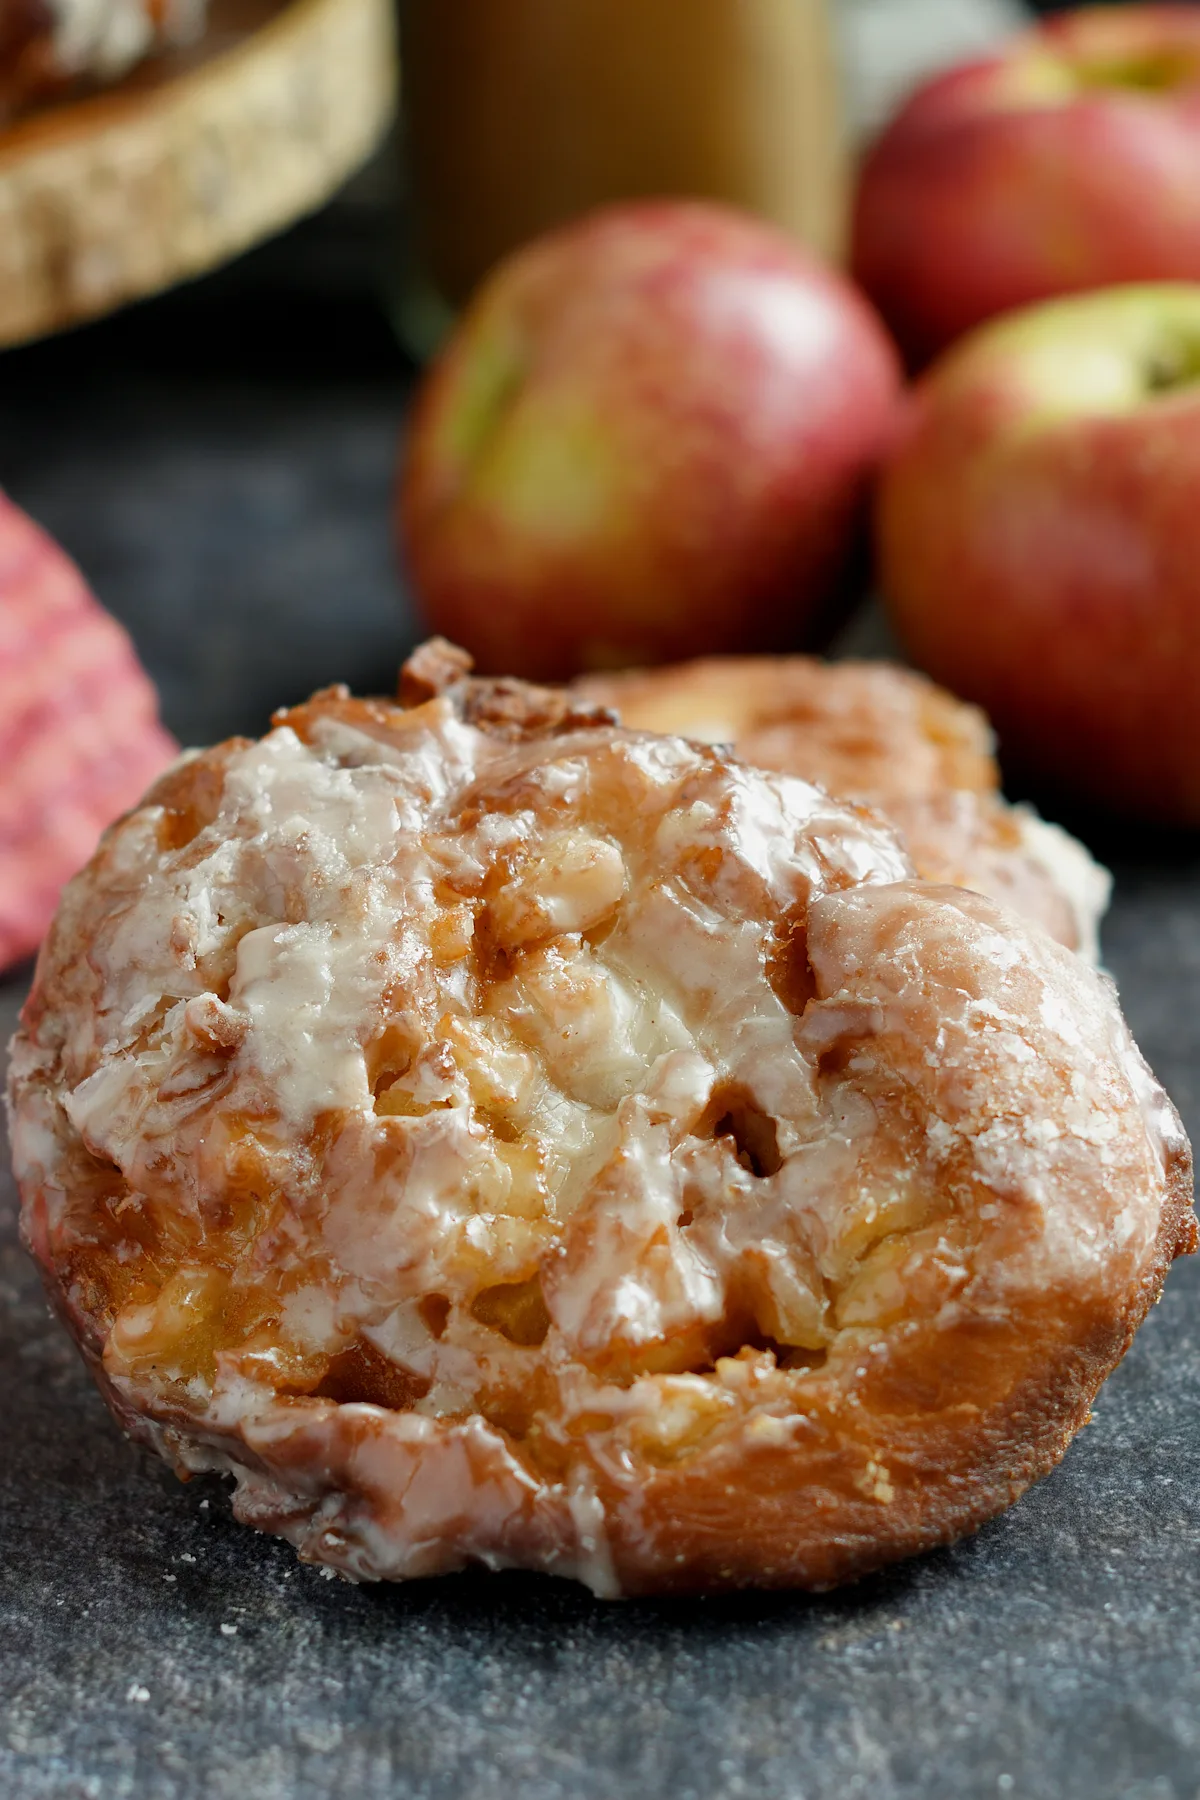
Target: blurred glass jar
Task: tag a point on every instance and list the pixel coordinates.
(518, 114)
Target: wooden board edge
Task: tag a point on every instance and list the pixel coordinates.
(129, 196)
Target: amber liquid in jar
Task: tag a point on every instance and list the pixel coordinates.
(519, 114)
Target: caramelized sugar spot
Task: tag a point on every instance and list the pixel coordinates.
(389, 1055)
(190, 795)
(364, 1375)
(516, 1309)
(834, 1061)
(435, 1311)
(788, 969)
(698, 1349)
(395, 1102)
(493, 961)
(734, 1113)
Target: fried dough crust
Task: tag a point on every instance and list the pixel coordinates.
(496, 1136)
(892, 738)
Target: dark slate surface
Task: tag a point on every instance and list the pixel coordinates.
(220, 463)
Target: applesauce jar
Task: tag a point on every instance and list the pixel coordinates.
(519, 114)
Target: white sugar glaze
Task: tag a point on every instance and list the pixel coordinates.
(892, 739)
(606, 1103)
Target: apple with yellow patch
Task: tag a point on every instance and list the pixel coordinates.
(1067, 160)
(1039, 540)
(651, 437)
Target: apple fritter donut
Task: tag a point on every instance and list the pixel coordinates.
(493, 1135)
(891, 738)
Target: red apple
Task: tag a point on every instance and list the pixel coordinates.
(1039, 540)
(1068, 160)
(651, 437)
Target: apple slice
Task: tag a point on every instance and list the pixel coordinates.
(80, 738)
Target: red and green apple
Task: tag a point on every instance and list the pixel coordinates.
(1067, 160)
(1039, 540)
(651, 437)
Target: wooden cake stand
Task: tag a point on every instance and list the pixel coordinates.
(189, 160)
